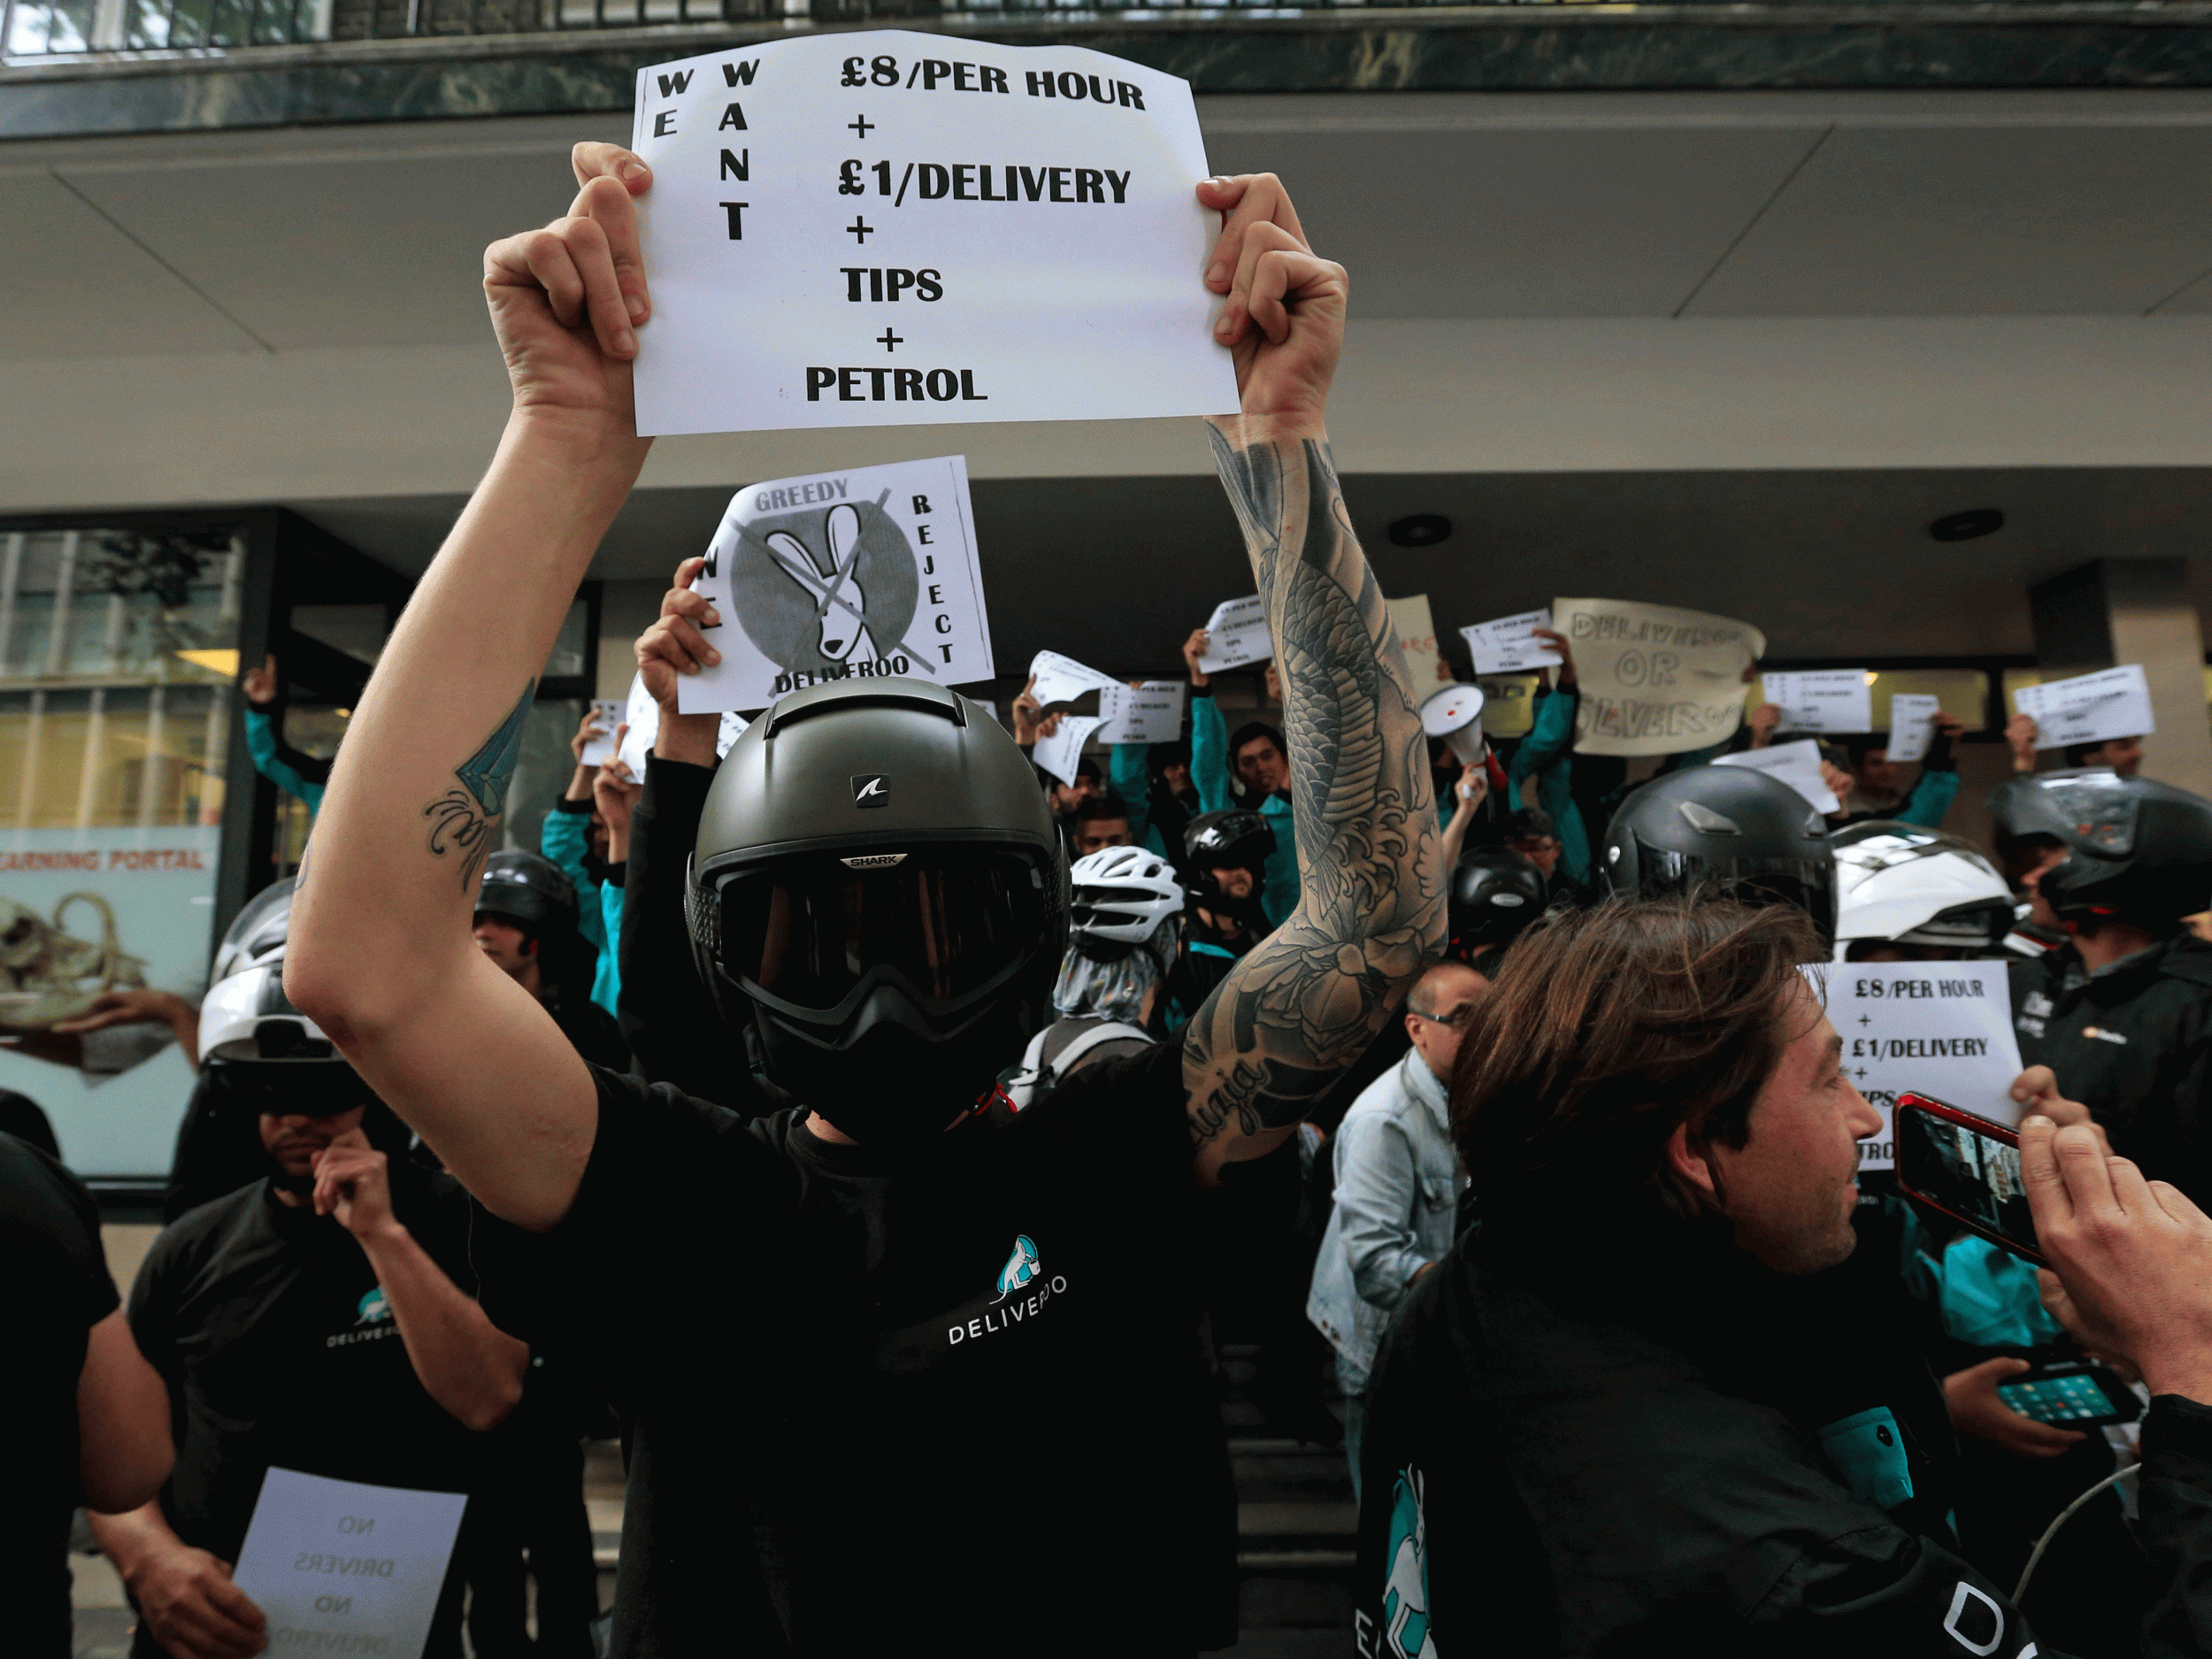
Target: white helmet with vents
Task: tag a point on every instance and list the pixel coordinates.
(1900, 884)
(1122, 895)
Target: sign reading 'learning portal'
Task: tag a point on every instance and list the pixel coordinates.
(892, 228)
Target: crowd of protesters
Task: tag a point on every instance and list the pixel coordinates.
(887, 1173)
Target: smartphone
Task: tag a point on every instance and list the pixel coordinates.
(2073, 1395)
(1967, 1167)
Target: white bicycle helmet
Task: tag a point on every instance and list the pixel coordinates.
(1900, 884)
(1122, 895)
(245, 1017)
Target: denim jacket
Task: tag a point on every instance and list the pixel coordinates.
(1397, 1199)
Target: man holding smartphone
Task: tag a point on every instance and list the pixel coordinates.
(1627, 1412)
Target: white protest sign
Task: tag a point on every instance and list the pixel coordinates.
(1503, 645)
(643, 717)
(1152, 713)
(865, 572)
(1911, 724)
(1796, 765)
(599, 749)
(1236, 634)
(1828, 700)
(342, 1568)
(1416, 629)
(2088, 709)
(885, 228)
(733, 727)
(1062, 680)
(1656, 680)
(1062, 753)
(1942, 1029)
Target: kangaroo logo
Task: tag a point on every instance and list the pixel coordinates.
(824, 592)
(372, 1308)
(1405, 1610)
(1021, 1269)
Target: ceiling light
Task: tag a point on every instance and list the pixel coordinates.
(1423, 529)
(223, 662)
(1965, 526)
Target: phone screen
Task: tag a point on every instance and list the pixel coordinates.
(2073, 1399)
(1973, 1175)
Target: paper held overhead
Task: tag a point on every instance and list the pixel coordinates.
(1829, 700)
(887, 228)
(2090, 708)
(1455, 714)
(642, 716)
(599, 749)
(1508, 645)
(1148, 713)
(1061, 754)
(1796, 765)
(1656, 680)
(1911, 725)
(843, 575)
(1055, 678)
(1236, 634)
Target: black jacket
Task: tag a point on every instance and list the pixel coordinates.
(2135, 1045)
(1545, 1473)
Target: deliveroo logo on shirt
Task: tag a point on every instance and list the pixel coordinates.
(374, 1309)
(1406, 1594)
(1021, 1269)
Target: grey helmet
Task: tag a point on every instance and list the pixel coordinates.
(878, 898)
(268, 1055)
(1728, 832)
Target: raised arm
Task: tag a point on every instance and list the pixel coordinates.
(380, 954)
(1302, 1005)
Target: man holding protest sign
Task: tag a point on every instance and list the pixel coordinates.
(953, 1286)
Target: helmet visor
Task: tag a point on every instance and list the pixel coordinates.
(949, 920)
(1807, 883)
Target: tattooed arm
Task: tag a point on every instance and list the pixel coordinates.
(381, 953)
(1302, 1005)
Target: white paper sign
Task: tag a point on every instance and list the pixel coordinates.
(1911, 725)
(1062, 753)
(885, 228)
(1152, 713)
(733, 727)
(1503, 645)
(1942, 1029)
(643, 717)
(1827, 700)
(1417, 641)
(1656, 680)
(1796, 765)
(341, 1568)
(1063, 680)
(2090, 708)
(599, 749)
(1236, 634)
(867, 571)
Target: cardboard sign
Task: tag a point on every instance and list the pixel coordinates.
(1796, 765)
(1236, 634)
(1911, 725)
(864, 571)
(599, 749)
(1504, 646)
(1656, 680)
(339, 1567)
(1153, 713)
(1416, 640)
(1063, 680)
(2089, 709)
(1942, 1029)
(887, 228)
(1062, 753)
(1827, 700)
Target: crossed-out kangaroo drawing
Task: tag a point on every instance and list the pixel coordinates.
(844, 637)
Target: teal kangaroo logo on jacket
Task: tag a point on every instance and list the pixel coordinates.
(1020, 1271)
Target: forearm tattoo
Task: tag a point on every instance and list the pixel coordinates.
(1299, 1008)
(461, 819)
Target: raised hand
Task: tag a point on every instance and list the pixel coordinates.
(261, 684)
(1284, 321)
(1194, 647)
(674, 644)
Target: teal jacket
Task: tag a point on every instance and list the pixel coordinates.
(1545, 755)
(261, 743)
(1209, 770)
(567, 832)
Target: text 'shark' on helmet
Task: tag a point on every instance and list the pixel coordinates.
(1725, 830)
(879, 883)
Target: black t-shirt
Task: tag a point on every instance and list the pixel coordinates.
(56, 1289)
(952, 1396)
(278, 1348)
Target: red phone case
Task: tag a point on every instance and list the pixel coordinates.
(1981, 1127)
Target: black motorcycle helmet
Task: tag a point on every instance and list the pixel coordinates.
(1495, 893)
(532, 892)
(1235, 838)
(878, 896)
(1726, 832)
(2137, 852)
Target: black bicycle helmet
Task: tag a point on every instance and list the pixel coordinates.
(1236, 838)
(1495, 893)
(879, 897)
(1728, 832)
(531, 892)
(2137, 852)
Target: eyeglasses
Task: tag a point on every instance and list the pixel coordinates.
(1457, 1019)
